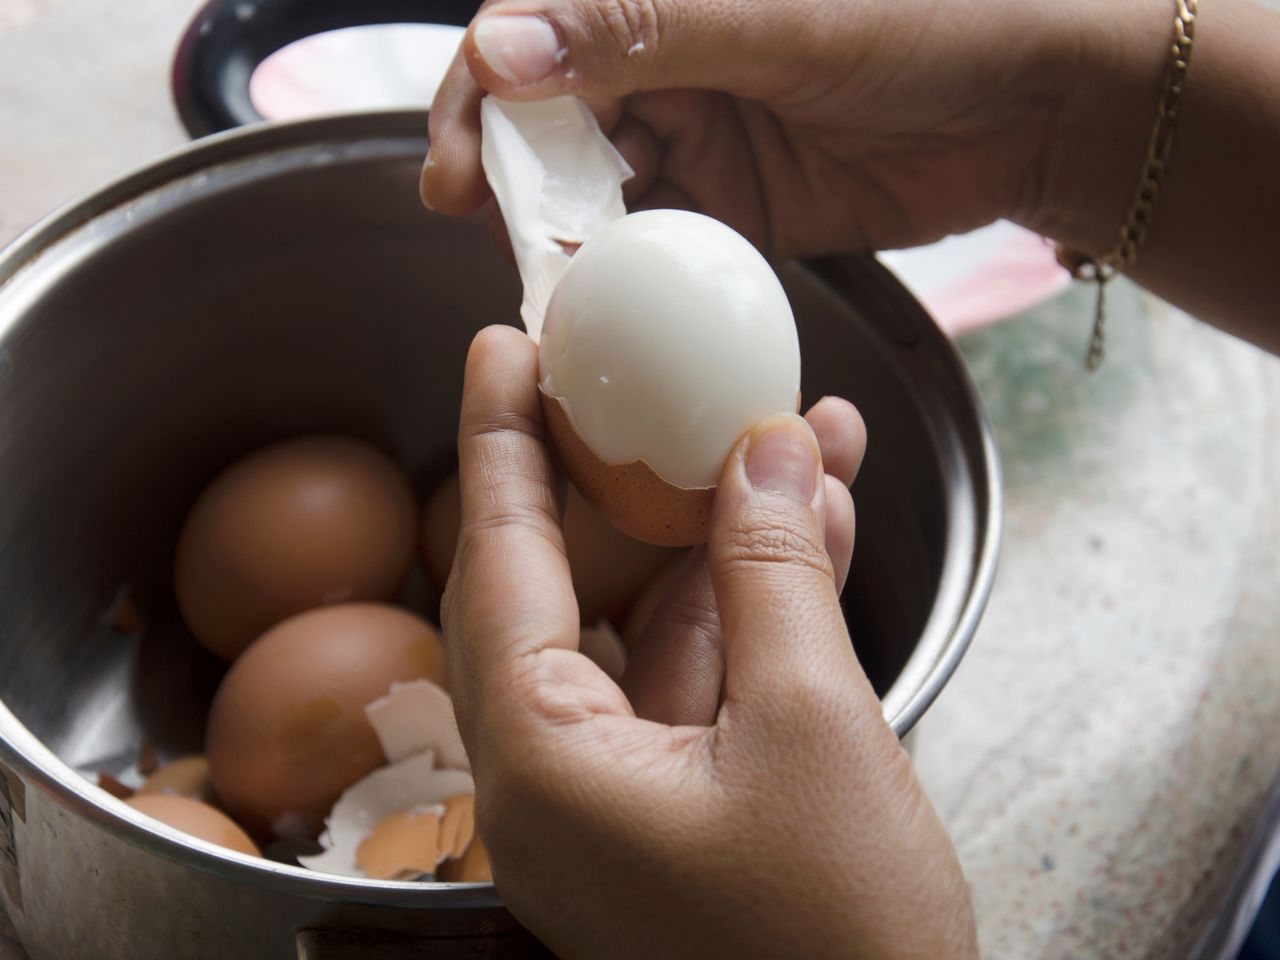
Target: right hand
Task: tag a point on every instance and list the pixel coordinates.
(810, 126)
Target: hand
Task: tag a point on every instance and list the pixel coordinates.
(819, 126)
(808, 125)
(783, 821)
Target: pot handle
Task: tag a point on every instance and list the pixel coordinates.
(320, 944)
(227, 39)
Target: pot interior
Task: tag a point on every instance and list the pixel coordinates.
(215, 306)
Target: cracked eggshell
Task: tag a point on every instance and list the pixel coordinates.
(402, 846)
(412, 784)
(415, 717)
(667, 338)
(413, 843)
(471, 867)
(557, 180)
(634, 498)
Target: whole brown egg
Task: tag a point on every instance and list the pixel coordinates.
(301, 523)
(288, 732)
(196, 818)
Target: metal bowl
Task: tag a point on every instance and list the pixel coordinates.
(281, 280)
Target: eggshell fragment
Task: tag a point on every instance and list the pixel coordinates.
(557, 180)
(113, 786)
(185, 777)
(288, 731)
(402, 846)
(196, 818)
(472, 867)
(148, 758)
(411, 784)
(457, 825)
(298, 524)
(415, 717)
(413, 843)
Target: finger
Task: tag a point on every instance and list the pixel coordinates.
(452, 180)
(774, 581)
(608, 111)
(510, 593)
(642, 151)
(675, 672)
(842, 437)
(531, 49)
(839, 529)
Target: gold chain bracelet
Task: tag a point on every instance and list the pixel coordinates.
(1101, 270)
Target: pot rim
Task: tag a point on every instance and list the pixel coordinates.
(376, 133)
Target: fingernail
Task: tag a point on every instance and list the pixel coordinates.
(782, 457)
(519, 49)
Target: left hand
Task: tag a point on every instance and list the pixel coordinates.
(757, 807)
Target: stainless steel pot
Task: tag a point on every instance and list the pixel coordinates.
(280, 280)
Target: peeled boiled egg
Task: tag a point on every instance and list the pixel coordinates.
(305, 522)
(196, 818)
(663, 339)
(667, 338)
(288, 731)
(608, 567)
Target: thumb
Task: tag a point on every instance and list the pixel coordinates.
(532, 49)
(769, 564)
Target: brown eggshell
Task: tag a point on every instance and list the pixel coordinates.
(458, 825)
(305, 522)
(288, 731)
(186, 777)
(609, 568)
(401, 846)
(638, 502)
(114, 787)
(196, 818)
(472, 867)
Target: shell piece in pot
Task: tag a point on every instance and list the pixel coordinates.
(412, 784)
(416, 717)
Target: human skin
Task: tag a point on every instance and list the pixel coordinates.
(739, 794)
(744, 797)
(817, 126)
